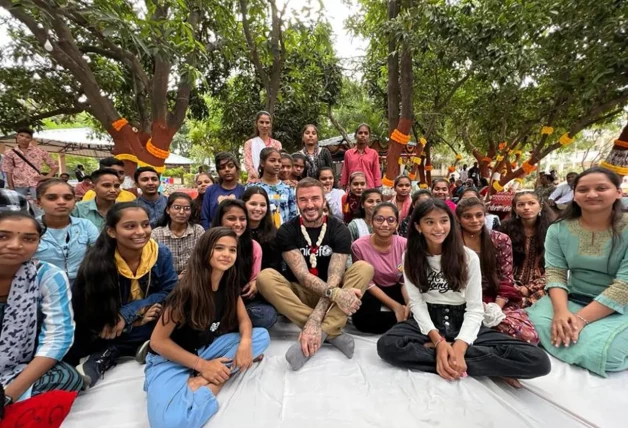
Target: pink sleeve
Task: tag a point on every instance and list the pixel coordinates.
(344, 175)
(356, 253)
(7, 162)
(257, 261)
(377, 171)
(248, 159)
(276, 144)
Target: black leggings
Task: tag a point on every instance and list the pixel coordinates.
(370, 318)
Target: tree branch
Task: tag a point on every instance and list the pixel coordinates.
(257, 62)
(337, 125)
(160, 75)
(30, 120)
(453, 91)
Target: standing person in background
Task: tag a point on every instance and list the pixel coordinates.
(65, 177)
(23, 164)
(362, 158)
(148, 181)
(440, 190)
(474, 174)
(66, 239)
(118, 166)
(332, 195)
(351, 199)
(202, 169)
(299, 167)
(362, 225)
(464, 174)
(228, 186)
(83, 187)
(285, 174)
(402, 199)
(79, 173)
(281, 196)
(106, 190)
(563, 195)
(317, 157)
(545, 187)
(252, 148)
(175, 231)
(203, 181)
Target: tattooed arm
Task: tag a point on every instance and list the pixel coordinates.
(336, 269)
(295, 261)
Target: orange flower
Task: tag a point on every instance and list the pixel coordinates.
(451, 169)
(502, 146)
(429, 167)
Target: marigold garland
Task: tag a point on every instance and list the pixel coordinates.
(126, 156)
(422, 141)
(502, 146)
(618, 169)
(119, 124)
(412, 176)
(547, 130)
(487, 159)
(498, 186)
(423, 186)
(514, 165)
(156, 151)
(401, 161)
(499, 158)
(519, 180)
(517, 153)
(451, 169)
(429, 167)
(400, 137)
(458, 157)
(387, 182)
(527, 167)
(417, 160)
(621, 143)
(565, 140)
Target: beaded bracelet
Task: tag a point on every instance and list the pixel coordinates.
(582, 319)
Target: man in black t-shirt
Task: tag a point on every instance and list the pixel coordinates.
(318, 292)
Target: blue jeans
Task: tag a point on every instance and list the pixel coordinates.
(262, 313)
(171, 403)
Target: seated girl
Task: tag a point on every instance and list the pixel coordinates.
(501, 299)
(446, 335)
(203, 181)
(491, 220)
(527, 228)
(402, 198)
(281, 196)
(417, 197)
(36, 323)
(362, 223)
(176, 232)
(261, 225)
(66, 239)
(584, 319)
(193, 349)
(333, 196)
(384, 251)
(119, 290)
(232, 214)
(351, 200)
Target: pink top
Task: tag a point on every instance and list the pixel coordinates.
(405, 209)
(388, 266)
(257, 260)
(367, 162)
(451, 205)
(22, 173)
(248, 156)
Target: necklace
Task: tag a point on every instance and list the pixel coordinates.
(313, 248)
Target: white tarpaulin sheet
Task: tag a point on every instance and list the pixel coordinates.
(331, 391)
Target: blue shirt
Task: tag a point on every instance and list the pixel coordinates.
(282, 197)
(213, 196)
(66, 248)
(89, 211)
(155, 208)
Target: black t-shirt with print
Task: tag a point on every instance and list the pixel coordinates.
(337, 240)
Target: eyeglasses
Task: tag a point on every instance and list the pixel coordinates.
(185, 208)
(380, 219)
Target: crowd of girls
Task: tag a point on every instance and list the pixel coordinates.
(88, 283)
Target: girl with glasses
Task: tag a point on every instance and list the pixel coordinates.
(384, 251)
(175, 230)
(66, 239)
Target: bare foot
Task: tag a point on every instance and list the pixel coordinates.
(196, 382)
(259, 358)
(512, 382)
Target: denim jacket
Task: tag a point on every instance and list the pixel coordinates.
(162, 277)
(69, 254)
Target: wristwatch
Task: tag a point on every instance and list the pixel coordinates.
(330, 292)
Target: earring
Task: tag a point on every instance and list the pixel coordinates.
(539, 213)
(516, 215)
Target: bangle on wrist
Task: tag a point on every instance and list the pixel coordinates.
(440, 339)
(198, 359)
(582, 319)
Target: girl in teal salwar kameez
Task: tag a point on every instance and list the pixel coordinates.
(584, 318)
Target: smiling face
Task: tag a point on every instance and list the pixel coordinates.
(235, 219)
(256, 207)
(272, 164)
(203, 182)
(286, 169)
(133, 230)
(180, 211)
(527, 206)
(358, 184)
(384, 222)
(403, 187)
(435, 226)
(327, 178)
(57, 201)
(371, 202)
(148, 182)
(310, 136)
(310, 201)
(224, 254)
(298, 165)
(440, 190)
(18, 241)
(596, 193)
(472, 220)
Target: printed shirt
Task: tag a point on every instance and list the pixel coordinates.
(180, 247)
(367, 162)
(155, 208)
(282, 197)
(89, 210)
(23, 174)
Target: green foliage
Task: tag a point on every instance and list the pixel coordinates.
(178, 172)
(89, 164)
